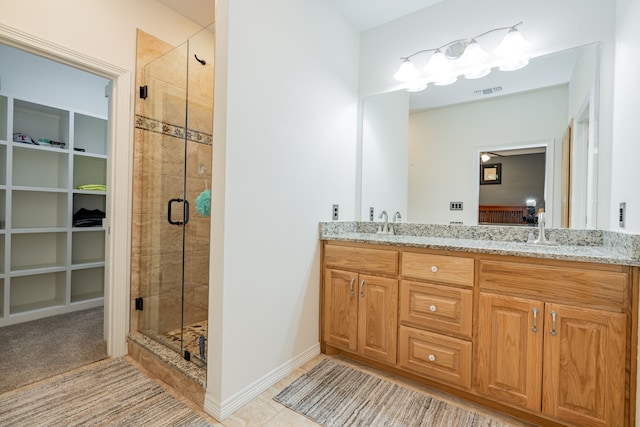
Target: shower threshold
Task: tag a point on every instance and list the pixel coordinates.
(190, 338)
(167, 365)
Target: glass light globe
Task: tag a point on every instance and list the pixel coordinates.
(512, 44)
(446, 80)
(438, 64)
(406, 72)
(477, 73)
(473, 55)
(514, 64)
(416, 86)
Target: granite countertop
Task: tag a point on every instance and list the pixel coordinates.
(573, 245)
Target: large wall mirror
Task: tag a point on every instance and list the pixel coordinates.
(421, 152)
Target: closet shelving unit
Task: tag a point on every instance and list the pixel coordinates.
(47, 266)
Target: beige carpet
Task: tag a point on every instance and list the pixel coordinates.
(336, 395)
(40, 349)
(108, 393)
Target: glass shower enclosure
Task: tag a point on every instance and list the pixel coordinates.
(173, 170)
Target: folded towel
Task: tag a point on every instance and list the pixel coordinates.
(88, 218)
(93, 187)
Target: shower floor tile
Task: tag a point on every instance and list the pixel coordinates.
(191, 336)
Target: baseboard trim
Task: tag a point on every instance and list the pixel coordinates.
(221, 410)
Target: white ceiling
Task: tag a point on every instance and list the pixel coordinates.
(363, 14)
(366, 14)
(202, 12)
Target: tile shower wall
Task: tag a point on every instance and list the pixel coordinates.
(158, 176)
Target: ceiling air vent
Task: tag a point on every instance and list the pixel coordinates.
(487, 91)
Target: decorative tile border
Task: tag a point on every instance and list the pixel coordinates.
(157, 126)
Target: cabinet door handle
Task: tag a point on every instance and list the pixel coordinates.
(433, 308)
(553, 322)
(434, 269)
(361, 285)
(535, 320)
(353, 280)
(432, 358)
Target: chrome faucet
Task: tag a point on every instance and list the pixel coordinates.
(384, 228)
(396, 218)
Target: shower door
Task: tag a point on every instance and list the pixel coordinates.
(174, 153)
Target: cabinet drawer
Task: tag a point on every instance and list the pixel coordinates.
(448, 269)
(435, 356)
(361, 259)
(437, 308)
(590, 288)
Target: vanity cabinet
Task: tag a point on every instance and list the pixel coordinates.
(436, 317)
(549, 341)
(565, 360)
(360, 310)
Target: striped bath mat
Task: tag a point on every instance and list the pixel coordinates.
(112, 393)
(336, 395)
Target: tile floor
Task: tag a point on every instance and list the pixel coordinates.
(191, 337)
(263, 411)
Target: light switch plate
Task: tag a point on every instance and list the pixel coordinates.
(455, 206)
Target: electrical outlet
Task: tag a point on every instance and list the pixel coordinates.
(371, 217)
(622, 214)
(335, 212)
(455, 206)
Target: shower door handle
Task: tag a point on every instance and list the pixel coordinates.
(185, 211)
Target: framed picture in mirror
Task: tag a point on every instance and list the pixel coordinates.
(491, 174)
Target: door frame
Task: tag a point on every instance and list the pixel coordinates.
(118, 220)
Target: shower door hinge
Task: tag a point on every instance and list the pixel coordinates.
(144, 91)
(139, 304)
(187, 355)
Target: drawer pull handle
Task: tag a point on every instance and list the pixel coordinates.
(434, 269)
(361, 285)
(432, 358)
(433, 308)
(353, 280)
(553, 322)
(535, 320)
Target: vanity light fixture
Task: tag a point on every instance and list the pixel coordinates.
(464, 57)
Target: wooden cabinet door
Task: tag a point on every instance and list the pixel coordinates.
(378, 318)
(509, 354)
(341, 309)
(584, 366)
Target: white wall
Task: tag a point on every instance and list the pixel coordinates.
(626, 147)
(287, 143)
(104, 30)
(444, 143)
(100, 36)
(549, 26)
(29, 78)
(385, 132)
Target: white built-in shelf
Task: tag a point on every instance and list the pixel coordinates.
(47, 266)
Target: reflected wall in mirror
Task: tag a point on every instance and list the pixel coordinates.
(420, 150)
